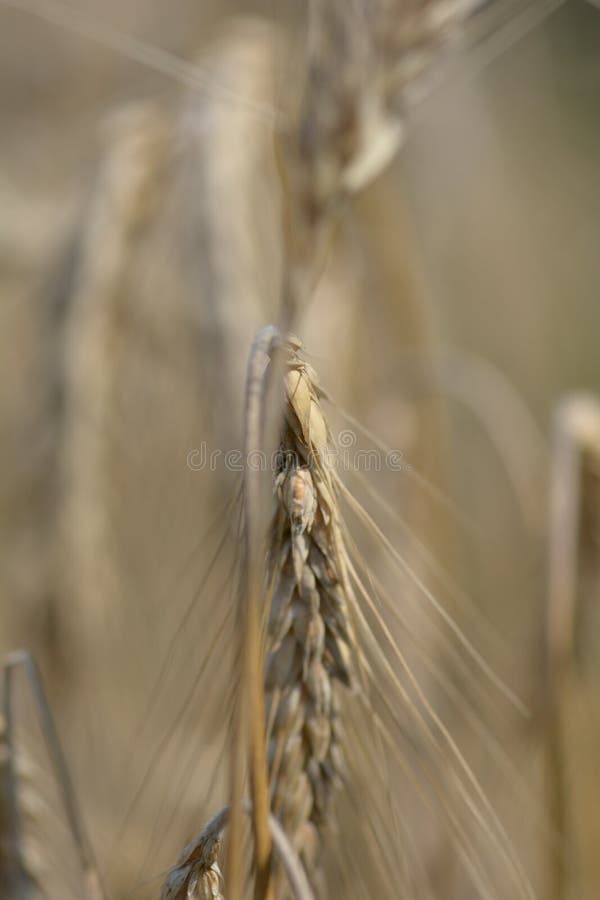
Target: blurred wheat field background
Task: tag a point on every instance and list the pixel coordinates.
(140, 251)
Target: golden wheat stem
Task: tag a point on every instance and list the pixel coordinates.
(576, 455)
(251, 706)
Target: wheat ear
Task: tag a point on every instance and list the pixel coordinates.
(16, 879)
(196, 874)
(311, 649)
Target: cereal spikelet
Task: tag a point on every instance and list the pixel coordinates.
(310, 644)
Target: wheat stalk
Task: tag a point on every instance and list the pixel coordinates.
(572, 552)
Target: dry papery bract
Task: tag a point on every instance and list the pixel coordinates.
(196, 873)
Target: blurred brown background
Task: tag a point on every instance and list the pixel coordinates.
(139, 253)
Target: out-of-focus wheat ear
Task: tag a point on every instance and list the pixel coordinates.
(575, 483)
(18, 882)
(15, 878)
(347, 120)
(92, 352)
